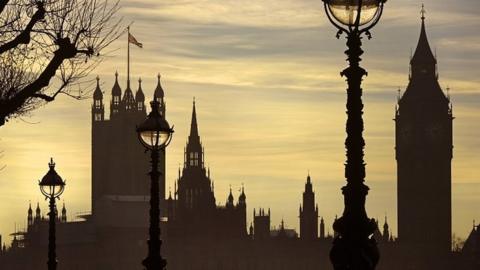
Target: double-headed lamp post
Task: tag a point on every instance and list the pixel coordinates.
(52, 186)
(354, 248)
(155, 134)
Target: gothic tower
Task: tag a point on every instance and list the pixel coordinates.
(424, 154)
(309, 213)
(386, 232)
(196, 201)
(322, 228)
(29, 217)
(120, 166)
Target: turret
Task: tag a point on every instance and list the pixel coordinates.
(116, 98)
(159, 95)
(64, 213)
(308, 213)
(386, 231)
(38, 214)
(30, 216)
(322, 228)
(140, 97)
(242, 199)
(230, 199)
(98, 110)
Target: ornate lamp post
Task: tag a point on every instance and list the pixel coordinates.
(155, 134)
(52, 186)
(354, 248)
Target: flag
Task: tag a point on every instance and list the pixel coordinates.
(133, 40)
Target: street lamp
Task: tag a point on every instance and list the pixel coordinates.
(52, 186)
(354, 248)
(154, 134)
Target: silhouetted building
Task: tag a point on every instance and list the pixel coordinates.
(424, 154)
(200, 234)
(308, 213)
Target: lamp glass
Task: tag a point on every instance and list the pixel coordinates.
(154, 138)
(52, 190)
(346, 11)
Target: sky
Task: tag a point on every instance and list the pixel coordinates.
(270, 104)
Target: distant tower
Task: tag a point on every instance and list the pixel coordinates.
(322, 229)
(424, 154)
(98, 110)
(242, 208)
(386, 231)
(195, 193)
(116, 98)
(29, 218)
(261, 224)
(38, 214)
(64, 213)
(309, 213)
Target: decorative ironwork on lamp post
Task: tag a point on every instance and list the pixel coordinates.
(52, 186)
(154, 134)
(354, 248)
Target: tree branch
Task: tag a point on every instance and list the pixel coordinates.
(66, 51)
(24, 36)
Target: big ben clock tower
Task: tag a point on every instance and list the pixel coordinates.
(424, 154)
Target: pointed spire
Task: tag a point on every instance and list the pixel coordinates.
(97, 94)
(116, 90)
(423, 54)
(194, 125)
(37, 211)
(242, 197)
(423, 12)
(159, 93)
(230, 197)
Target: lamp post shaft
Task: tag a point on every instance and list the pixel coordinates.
(52, 255)
(353, 249)
(154, 259)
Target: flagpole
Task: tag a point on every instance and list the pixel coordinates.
(128, 57)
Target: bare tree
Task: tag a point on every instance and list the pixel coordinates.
(47, 46)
